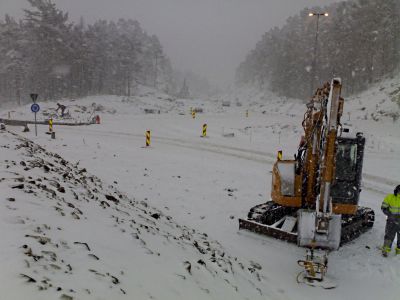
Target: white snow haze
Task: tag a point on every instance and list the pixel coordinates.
(208, 37)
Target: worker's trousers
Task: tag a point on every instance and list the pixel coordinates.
(392, 228)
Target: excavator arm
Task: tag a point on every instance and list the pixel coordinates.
(321, 227)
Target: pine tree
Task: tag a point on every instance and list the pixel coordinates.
(184, 92)
(358, 42)
(47, 54)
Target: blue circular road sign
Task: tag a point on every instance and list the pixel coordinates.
(35, 108)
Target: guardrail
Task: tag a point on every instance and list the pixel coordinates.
(46, 122)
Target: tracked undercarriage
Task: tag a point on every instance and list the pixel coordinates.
(280, 222)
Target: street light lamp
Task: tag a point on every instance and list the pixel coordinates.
(318, 14)
(314, 65)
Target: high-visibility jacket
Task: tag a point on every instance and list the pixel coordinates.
(391, 205)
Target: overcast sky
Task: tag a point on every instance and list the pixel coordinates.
(209, 37)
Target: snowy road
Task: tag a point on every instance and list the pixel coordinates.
(371, 182)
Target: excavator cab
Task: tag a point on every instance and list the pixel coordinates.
(345, 191)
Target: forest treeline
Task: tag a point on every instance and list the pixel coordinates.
(358, 41)
(46, 53)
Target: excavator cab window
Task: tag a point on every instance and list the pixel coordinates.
(349, 161)
(287, 177)
(346, 162)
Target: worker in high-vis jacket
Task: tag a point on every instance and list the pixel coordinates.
(391, 208)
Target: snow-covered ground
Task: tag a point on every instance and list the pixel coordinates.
(170, 230)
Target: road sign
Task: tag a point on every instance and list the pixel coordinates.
(34, 97)
(35, 108)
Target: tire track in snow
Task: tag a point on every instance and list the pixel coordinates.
(242, 153)
(378, 179)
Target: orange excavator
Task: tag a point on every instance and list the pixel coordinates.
(315, 196)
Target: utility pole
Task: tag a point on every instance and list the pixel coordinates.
(315, 63)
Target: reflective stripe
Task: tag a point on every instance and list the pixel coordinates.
(386, 249)
(392, 203)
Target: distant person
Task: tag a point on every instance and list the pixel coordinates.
(61, 108)
(391, 208)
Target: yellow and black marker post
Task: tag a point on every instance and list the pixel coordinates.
(193, 113)
(247, 113)
(148, 138)
(50, 125)
(280, 155)
(204, 130)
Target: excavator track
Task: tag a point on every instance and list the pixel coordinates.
(355, 225)
(267, 219)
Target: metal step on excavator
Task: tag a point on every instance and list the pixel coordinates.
(315, 197)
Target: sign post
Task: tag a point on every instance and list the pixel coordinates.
(35, 109)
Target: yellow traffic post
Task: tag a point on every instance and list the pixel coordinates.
(247, 113)
(193, 114)
(148, 138)
(204, 130)
(280, 155)
(50, 125)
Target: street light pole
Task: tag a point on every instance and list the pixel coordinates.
(314, 64)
